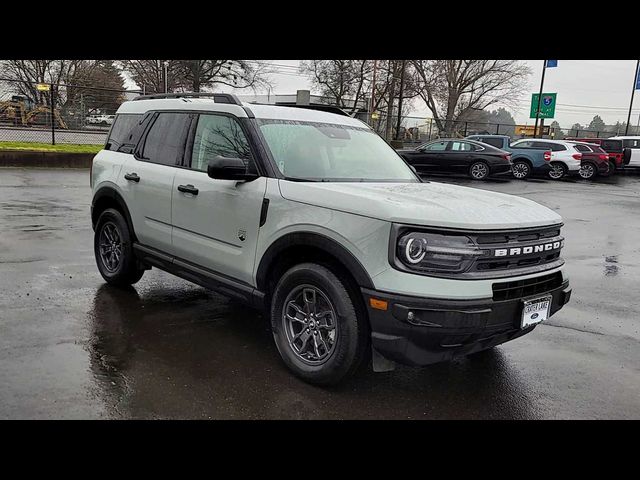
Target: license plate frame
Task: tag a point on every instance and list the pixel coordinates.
(535, 311)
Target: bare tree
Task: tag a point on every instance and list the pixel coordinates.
(199, 74)
(345, 82)
(150, 74)
(452, 89)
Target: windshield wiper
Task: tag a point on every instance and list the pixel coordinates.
(300, 179)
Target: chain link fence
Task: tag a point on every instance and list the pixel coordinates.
(51, 113)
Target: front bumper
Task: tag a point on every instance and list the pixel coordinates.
(420, 331)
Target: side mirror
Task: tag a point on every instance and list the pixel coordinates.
(224, 168)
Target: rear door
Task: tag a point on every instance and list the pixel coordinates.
(216, 222)
(459, 157)
(146, 178)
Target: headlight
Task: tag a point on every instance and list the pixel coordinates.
(432, 252)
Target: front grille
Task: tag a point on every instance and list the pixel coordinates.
(510, 240)
(526, 288)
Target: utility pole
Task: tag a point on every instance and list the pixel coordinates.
(400, 100)
(373, 92)
(164, 65)
(535, 128)
(633, 91)
(53, 109)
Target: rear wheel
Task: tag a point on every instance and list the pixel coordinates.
(611, 171)
(316, 326)
(557, 171)
(521, 169)
(588, 171)
(113, 248)
(479, 171)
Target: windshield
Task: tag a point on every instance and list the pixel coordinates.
(327, 152)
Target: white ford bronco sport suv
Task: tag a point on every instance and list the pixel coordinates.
(314, 218)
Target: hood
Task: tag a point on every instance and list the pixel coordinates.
(428, 204)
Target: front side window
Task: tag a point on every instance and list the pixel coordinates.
(166, 138)
(328, 152)
(218, 135)
(436, 146)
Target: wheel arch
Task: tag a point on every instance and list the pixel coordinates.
(298, 246)
(108, 197)
(523, 159)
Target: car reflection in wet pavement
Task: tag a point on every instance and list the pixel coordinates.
(74, 347)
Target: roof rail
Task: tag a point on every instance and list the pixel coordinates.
(323, 108)
(217, 97)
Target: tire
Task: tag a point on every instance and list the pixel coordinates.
(588, 171)
(479, 171)
(611, 171)
(558, 170)
(521, 169)
(111, 236)
(343, 352)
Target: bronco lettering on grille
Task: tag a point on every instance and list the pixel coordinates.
(511, 252)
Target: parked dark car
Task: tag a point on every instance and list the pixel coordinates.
(595, 161)
(454, 155)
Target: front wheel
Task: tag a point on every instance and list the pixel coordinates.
(557, 171)
(521, 169)
(479, 171)
(316, 327)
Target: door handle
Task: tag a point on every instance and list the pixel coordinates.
(188, 189)
(132, 177)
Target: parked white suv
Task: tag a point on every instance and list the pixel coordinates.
(313, 218)
(565, 158)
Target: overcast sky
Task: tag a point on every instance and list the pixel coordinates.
(584, 87)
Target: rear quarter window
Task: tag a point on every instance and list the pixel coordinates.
(612, 146)
(122, 131)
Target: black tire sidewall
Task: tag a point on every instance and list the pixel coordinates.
(127, 272)
(350, 340)
(483, 163)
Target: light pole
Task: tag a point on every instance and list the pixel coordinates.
(164, 65)
(535, 128)
(633, 91)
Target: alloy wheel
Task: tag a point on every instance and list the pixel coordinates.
(556, 172)
(110, 247)
(587, 171)
(479, 171)
(520, 170)
(309, 320)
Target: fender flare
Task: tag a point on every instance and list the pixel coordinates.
(112, 194)
(319, 241)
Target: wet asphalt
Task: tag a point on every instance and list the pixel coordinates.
(72, 347)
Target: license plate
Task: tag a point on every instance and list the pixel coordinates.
(535, 311)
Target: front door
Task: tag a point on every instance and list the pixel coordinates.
(216, 222)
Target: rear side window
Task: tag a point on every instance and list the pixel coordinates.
(554, 147)
(631, 143)
(582, 148)
(122, 131)
(495, 142)
(612, 146)
(461, 147)
(166, 139)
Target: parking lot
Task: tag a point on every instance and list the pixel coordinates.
(72, 347)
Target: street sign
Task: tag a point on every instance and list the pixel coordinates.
(547, 105)
(527, 130)
(43, 87)
(552, 63)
